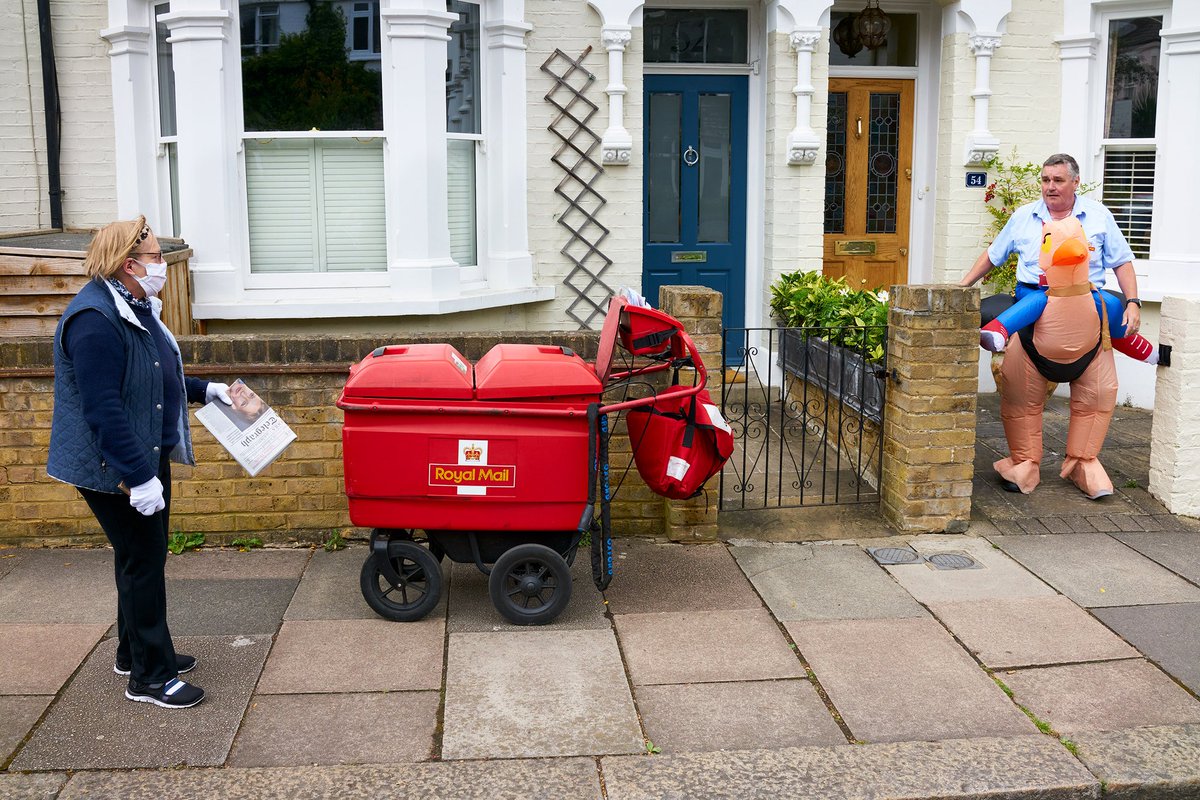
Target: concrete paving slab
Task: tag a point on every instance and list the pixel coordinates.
(200, 607)
(483, 780)
(1107, 696)
(1095, 570)
(314, 656)
(471, 609)
(1029, 631)
(650, 577)
(810, 582)
(992, 768)
(285, 730)
(998, 576)
(906, 679)
(330, 589)
(736, 716)
(38, 659)
(1164, 634)
(1161, 762)
(1178, 551)
(17, 716)
(705, 646)
(60, 586)
(210, 563)
(93, 726)
(537, 693)
(32, 787)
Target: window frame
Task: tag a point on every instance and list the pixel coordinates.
(166, 151)
(374, 34)
(259, 46)
(476, 273)
(1102, 144)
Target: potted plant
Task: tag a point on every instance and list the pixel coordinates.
(833, 337)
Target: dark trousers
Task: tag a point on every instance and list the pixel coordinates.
(140, 558)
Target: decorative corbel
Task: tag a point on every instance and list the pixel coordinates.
(616, 146)
(803, 144)
(981, 145)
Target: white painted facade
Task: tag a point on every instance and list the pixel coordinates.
(992, 75)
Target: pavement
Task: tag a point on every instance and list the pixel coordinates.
(1050, 652)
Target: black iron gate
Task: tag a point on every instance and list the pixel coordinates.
(806, 408)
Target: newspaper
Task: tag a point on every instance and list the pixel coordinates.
(249, 429)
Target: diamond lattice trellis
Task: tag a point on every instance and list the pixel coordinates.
(574, 157)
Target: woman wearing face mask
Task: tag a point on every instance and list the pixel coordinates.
(120, 419)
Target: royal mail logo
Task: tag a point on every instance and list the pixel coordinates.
(482, 475)
(472, 454)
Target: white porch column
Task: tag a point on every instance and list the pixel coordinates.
(208, 142)
(1075, 120)
(803, 144)
(414, 116)
(509, 262)
(129, 57)
(616, 145)
(981, 144)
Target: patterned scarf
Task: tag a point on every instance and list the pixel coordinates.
(142, 304)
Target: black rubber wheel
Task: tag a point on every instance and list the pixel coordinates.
(530, 584)
(405, 585)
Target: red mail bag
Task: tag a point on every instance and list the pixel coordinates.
(679, 443)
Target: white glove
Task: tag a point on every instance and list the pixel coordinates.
(220, 390)
(147, 497)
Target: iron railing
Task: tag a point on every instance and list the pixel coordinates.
(806, 407)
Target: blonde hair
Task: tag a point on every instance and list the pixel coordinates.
(112, 244)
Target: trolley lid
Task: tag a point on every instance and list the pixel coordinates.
(427, 371)
(531, 371)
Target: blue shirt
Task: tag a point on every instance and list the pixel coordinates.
(1023, 235)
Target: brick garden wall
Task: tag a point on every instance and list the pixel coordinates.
(299, 497)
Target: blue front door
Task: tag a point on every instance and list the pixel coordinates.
(694, 220)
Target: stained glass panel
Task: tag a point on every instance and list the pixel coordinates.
(835, 165)
(883, 159)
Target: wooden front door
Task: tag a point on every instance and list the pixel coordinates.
(868, 181)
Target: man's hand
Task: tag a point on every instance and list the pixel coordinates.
(1132, 320)
(220, 390)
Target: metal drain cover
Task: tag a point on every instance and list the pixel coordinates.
(894, 555)
(952, 561)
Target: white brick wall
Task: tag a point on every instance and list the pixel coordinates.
(85, 90)
(795, 195)
(24, 202)
(572, 27)
(1175, 438)
(1025, 82)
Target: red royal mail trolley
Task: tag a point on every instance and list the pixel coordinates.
(499, 463)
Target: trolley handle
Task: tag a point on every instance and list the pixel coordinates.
(693, 356)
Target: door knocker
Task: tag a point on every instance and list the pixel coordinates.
(690, 156)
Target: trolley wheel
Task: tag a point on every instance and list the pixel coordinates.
(530, 584)
(405, 585)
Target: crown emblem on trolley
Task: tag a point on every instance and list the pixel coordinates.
(472, 453)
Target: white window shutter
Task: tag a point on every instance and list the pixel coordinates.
(460, 160)
(1129, 193)
(282, 203)
(353, 209)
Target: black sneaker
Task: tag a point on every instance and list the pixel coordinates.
(182, 664)
(172, 694)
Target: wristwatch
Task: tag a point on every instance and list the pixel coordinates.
(1133, 300)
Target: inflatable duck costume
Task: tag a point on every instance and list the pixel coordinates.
(1068, 344)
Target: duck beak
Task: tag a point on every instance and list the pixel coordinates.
(1070, 253)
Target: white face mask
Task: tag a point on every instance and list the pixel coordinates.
(155, 280)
